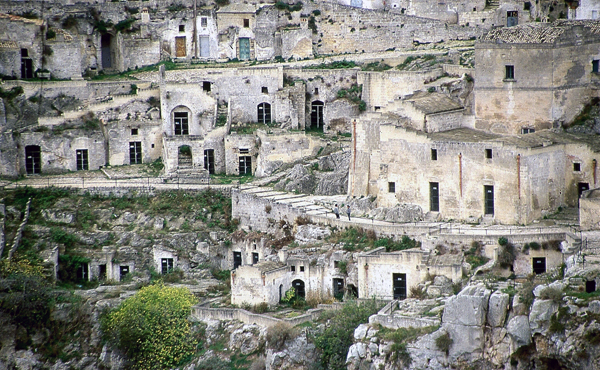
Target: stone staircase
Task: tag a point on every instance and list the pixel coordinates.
(301, 202)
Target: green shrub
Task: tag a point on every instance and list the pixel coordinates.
(58, 235)
(474, 257)
(26, 299)
(553, 294)
(343, 267)
(9, 95)
(502, 241)
(50, 34)
(125, 25)
(507, 255)
(444, 342)
(337, 337)
(280, 333)
(152, 327)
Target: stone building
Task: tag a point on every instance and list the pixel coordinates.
(514, 93)
(21, 46)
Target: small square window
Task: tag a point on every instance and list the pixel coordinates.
(244, 151)
(152, 145)
(134, 131)
(265, 90)
(488, 153)
(434, 154)
(577, 167)
(246, 23)
(206, 86)
(293, 268)
(596, 66)
(203, 22)
(377, 108)
(301, 268)
(181, 28)
(391, 187)
(316, 91)
(509, 72)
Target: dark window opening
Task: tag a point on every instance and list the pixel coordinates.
(434, 154)
(245, 165)
(265, 90)
(166, 265)
(434, 197)
(391, 187)
(316, 91)
(596, 66)
(181, 28)
(527, 5)
(135, 152)
(399, 281)
(134, 131)
(254, 258)
(26, 64)
(264, 113)
(244, 150)
(82, 159)
(576, 167)
(299, 288)
(209, 160)
(488, 153)
(33, 159)
(181, 123)
(581, 187)
(237, 259)
(203, 22)
(293, 268)
(509, 72)
(336, 264)
(301, 268)
(206, 86)
(316, 115)
(539, 265)
(488, 199)
(527, 130)
(123, 271)
(590, 286)
(101, 272)
(105, 43)
(246, 23)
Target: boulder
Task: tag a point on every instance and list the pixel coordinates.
(468, 308)
(519, 332)
(497, 309)
(58, 216)
(247, 339)
(361, 331)
(541, 312)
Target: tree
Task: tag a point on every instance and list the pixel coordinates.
(152, 327)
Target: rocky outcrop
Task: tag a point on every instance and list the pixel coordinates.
(298, 354)
(399, 213)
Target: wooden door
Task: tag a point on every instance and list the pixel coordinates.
(180, 47)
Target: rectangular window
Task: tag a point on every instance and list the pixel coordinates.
(246, 23)
(134, 131)
(82, 159)
(577, 167)
(391, 187)
(181, 28)
(293, 268)
(316, 91)
(166, 265)
(434, 197)
(135, 152)
(434, 154)
(206, 86)
(488, 153)
(596, 66)
(509, 72)
(301, 268)
(254, 258)
(123, 271)
(527, 130)
(265, 90)
(237, 259)
(209, 160)
(245, 165)
(203, 22)
(244, 151)
(181, 123)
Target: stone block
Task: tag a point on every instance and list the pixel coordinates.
(497, 308)
(469, 307)
(518, 330)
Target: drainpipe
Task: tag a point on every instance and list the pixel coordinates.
(460, 173)
(519, 175)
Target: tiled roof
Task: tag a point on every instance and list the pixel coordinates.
(537, 33)
(435, 102)
(16, 18)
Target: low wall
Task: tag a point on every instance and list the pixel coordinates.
(399, 321)
(227, 314)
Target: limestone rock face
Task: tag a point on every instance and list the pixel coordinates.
(519, 332)
(468, 308)
(308, 234)
(400, 213)
(57, 216)
(539, 317)
(299, 180)
(247, 339)
(498, 307)
(298, 354)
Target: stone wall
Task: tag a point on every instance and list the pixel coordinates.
(589, 210)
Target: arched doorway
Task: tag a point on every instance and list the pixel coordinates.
(264, 113)
(299, 288)
(316, 115)
(184, 156)
(33, 159)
